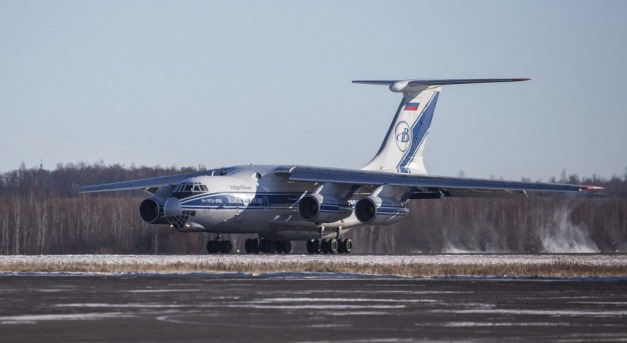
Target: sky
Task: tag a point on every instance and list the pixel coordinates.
(220, 83)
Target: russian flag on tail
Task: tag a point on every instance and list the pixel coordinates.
(412, 106)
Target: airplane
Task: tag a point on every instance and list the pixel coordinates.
(285, 203)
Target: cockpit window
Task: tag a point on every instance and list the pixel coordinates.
(184, 190)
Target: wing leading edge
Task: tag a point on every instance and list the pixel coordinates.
(141, 184)
(461, 186)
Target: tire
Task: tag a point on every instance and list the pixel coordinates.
(287, 247)
(271, 247)
(279, 247)
(324, 246)
(212, 247)
(248, 246)
(313, 246)
(333, 246)
(348, 246)
(254, 245)
(267, 246)
(226, 246)
(283, 247)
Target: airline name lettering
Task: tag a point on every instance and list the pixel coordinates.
(241, 188)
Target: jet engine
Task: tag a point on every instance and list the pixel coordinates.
(151, 212)
(323, 209)
(375, 210)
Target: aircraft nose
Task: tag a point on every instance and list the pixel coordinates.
(172, 207)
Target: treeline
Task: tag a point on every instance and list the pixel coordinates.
(41, 212)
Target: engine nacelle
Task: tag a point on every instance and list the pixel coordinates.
(375, 210)
(327, 209)
(151, 212)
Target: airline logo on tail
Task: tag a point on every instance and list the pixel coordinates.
(403, 136)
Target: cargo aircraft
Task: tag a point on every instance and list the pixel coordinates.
(285, 203)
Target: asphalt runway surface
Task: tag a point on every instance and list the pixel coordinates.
(306, 308)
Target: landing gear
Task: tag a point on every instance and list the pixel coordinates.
(329, 246)
(345, 246)
(251, 246)
(267, 246)
(313, 246)
(283, 247)
(219, 246)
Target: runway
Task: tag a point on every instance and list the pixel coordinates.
(308, 308)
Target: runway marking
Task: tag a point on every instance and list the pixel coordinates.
(99, 305)
(557, 313)
(34, 318)
(319, 300)
(319, 307)
(487, 324)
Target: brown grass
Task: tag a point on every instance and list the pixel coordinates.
(555, 268)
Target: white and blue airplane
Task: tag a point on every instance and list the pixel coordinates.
(284, 203)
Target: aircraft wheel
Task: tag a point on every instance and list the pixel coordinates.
(286, 247)
(324, 246)
(254, 245)
(332, 246)
(212, 247)
(271, 247)
(267, 246)
(313, 246)
(251, 246)
(226, 246)
(346, 246)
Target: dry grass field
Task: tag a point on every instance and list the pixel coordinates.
(578, 265)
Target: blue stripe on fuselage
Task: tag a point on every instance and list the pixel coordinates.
(241, 199)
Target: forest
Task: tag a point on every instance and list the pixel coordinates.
(41, 212)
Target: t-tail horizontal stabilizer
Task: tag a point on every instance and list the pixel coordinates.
(403, 146)
(401, 85)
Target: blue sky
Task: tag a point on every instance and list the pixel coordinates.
(221, 83)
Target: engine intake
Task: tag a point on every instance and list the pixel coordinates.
(150, 212)
(366, 210)
(375, 210)
(327, 209)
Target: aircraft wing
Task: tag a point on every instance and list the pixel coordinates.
(427, 185)
(141, 183)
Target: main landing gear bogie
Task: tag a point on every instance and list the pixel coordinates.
(329, 246)
(218, 246)
(267, 246)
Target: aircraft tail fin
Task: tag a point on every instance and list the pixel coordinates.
(403, 146)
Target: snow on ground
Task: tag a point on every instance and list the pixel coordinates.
(463, 259)
(469, 259)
